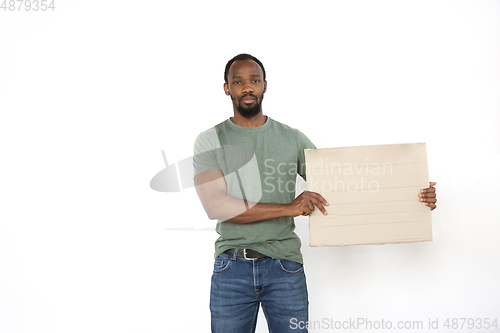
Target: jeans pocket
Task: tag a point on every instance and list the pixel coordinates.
(290, 266)
(222, 263)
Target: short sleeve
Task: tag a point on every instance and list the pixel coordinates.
(205, 152)
(303, 142)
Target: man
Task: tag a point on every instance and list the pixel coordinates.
(245, 171)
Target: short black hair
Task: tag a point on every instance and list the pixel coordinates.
(243, 56)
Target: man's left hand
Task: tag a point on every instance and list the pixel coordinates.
(428, 196)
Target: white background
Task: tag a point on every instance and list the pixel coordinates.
(91, 92)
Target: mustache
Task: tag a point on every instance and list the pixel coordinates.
(249, 95)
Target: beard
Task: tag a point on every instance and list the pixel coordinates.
(245, 110)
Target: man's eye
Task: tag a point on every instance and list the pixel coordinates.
(236, 82)
(256, 81)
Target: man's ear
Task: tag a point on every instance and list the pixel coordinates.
(265, 85)
(226, 88)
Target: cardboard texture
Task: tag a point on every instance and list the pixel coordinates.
(372, 193)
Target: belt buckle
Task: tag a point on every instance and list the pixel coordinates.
(245, 255)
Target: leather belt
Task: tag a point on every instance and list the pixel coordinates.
(247, 254)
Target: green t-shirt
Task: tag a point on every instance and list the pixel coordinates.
(259, 164)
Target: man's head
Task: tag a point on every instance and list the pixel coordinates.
(243, 56)
(245, 83)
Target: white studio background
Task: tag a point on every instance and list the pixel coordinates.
(91, 92)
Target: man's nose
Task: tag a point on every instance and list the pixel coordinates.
(247, 88)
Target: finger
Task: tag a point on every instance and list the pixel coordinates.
(319, 197)
(428, 200)
(428, 190)
(432, 184)
(431, 205)
(319, 205)
(427, 195)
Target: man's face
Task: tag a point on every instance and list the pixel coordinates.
(246, 86)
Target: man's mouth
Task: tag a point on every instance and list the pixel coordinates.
(248, 99)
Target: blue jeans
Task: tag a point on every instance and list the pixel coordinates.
(240, 285)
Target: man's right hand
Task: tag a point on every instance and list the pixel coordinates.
(305, 202)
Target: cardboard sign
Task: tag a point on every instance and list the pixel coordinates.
(372, 193)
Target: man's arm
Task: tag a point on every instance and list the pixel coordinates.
(212, 191)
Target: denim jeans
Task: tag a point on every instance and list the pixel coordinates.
(240, 285)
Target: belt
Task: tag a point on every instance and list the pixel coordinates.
(247, 254)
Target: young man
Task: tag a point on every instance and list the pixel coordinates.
(245, 172)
